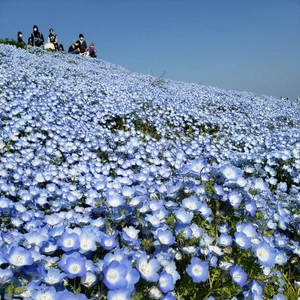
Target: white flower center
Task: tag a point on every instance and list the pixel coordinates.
(197, 270)
(237, 276)
(74, 268)
(262, 254)
(17, 260)
(69, 242)
(112, 275)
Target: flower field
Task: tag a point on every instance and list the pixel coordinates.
(117, 185)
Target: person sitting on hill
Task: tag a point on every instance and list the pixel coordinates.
(30, 41)
(92, 50)
(82, 45)
(37, 37)
(74, 48)
(20, 39)
(52, 41)
(61, 48)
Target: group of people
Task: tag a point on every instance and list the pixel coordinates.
(37, 39)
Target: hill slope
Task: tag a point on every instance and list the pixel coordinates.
(142, 166)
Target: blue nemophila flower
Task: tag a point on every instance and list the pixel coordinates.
(195, 167)
(69, 241)
(39, 177)
(173, 190)
(165, 237)
(191, 203)
(235, 199)
(25, 196)
(224, 265)
(265, 254)
(53, 219)
(117, 255)
(130, 235)
(52, 276)
(260, 184)
(135, 201)
(170, 268)
(19, 257)
(197, 231)
(114, 200)
(49, 247)
(242, 240)
(238, 275)
(155, 293)
(99, 222)
(219, 190)
(89, 279)
(231, 173)
(153, 220)
(87, 241)
(132, 277)
(148, 270)
(281, 258)
(183, 230)
(169, 296)
(35, 238)
(128, 192)
(256, 289)
(108, 242)
(5, 206)
(115, 275)
(223, 228)
(251, 207)
(198, 270)
(161, 213)
(249, 229)
(205, 211)
(224, 240)
(48, 293)
(183, 216)
(166, 282)
(67, 295)
(120, 294)
(5, 276)
(73, 265)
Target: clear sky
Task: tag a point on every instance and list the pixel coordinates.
(244, 45)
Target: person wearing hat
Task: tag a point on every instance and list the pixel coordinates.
(37, 37)
(82, 45)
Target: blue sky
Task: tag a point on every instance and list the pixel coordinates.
(242, 45)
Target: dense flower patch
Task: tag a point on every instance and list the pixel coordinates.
(113, 188)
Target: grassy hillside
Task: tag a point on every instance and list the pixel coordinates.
(118, 185)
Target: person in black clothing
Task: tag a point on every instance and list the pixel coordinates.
(74, 48)
(52, 38)
(30, 41)
(20, 39)
(37, 37)
(61, 48)
(82, 45)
